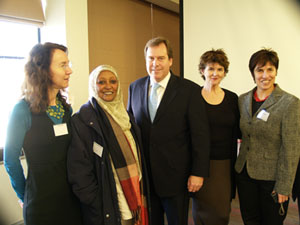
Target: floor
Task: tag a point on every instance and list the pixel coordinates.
(235, 217)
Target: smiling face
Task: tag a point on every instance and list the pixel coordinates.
(158, 62)
(60, 70)
(107, 86)
(265, 76)
(213, 73)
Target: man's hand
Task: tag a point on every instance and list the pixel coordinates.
(194, 183)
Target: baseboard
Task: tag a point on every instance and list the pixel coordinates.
(19, 223)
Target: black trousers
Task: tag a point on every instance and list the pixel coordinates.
(298, 208)
(256, 203)
(175, 207)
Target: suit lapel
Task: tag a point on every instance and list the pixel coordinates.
(144, 96)
(248, 103)
(273, 98)
(170, 93)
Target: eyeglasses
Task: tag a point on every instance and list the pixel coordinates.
(65, 66)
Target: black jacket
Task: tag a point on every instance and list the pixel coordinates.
(91, 176)
(177, 143)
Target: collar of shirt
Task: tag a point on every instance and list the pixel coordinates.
(163, 83)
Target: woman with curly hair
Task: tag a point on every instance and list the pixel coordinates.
(39, 124)
(212, 203)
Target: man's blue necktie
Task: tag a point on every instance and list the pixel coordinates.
(153, 100)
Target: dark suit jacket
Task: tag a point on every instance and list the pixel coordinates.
(177, 142)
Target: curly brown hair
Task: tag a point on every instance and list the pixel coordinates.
(38, 79)
(213, 56)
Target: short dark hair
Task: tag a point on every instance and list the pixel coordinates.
(156, 42)
(213, 56)
(261, 58)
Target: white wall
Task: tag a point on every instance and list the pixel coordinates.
(55, 25)
(10, 211)
(242, 27)
(66, 23)
(77, 42)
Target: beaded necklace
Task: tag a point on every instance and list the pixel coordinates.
(56, 111)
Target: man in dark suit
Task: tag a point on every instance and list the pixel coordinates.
(175, 138)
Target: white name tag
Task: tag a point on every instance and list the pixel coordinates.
(263, 115)
(60, 129)
(98, 149)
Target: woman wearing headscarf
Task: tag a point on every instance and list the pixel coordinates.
(105, 162)
(39, 124)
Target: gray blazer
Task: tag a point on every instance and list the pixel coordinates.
(270, 148)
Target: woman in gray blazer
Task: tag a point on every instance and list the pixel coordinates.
(269, 153)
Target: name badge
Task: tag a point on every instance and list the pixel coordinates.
(98, 149)
(60, 129)
(263, 115)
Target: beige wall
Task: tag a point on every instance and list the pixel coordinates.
(119, 30)
(108, 32)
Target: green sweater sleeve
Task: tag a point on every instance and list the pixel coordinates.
(19, 123)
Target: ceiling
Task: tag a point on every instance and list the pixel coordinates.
(172, 5)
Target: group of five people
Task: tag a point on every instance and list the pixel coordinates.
(176, 141)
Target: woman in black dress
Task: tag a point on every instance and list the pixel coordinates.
(39, 124)
(211, 204)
